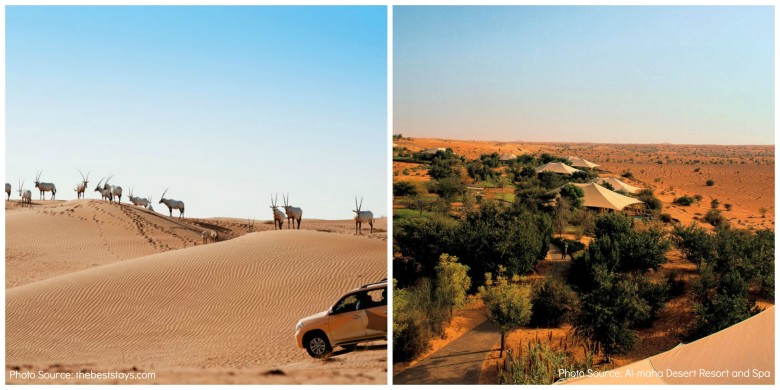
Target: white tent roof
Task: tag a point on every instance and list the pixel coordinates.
(557, 167)
(508, 156)
(618, 185)
(744, 347)
(582, 163)
(600, 197)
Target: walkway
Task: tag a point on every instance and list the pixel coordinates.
(459, 362)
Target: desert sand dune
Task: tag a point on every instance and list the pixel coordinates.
(59, 237)
(231, 304)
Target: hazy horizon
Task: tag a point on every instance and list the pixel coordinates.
(600, 74)
(223, 105)
(575, 142)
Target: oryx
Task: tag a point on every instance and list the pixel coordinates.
(362, 217)
(26, 195)
(45, 187)
(293, 213)
(278, 215)
(172, 204)
(82, 187)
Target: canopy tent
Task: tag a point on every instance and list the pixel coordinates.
(582, 163)
(557, 167)
(618, 185)
(718, 359)
(599, 197)
(508, 156)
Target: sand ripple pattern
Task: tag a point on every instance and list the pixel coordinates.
(229, 304)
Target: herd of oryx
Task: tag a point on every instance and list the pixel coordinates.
(109, 192)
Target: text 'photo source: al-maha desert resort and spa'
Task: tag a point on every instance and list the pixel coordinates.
(196, 195)
(583, 195)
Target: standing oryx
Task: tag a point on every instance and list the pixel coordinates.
(362, 217)
(278, 215)
(293, 213)
(105, 193)
(138, 201)
(26, 195)
(45, 187)
(115, 190)
(172, 204)
(8, 190)
(82, 187)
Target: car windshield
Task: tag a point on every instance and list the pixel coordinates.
(361, 300)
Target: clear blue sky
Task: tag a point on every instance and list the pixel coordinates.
(598, 74)
(221, 104)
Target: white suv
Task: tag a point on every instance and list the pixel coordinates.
(358, 316)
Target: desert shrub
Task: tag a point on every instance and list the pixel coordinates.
(613, 224)
(727, 206)
(546, 158)
(508, 305)
(585, 222)
(685, 200)
(611, 333)
(573, 194)
(583, 177)
(553, 302)
(714, 218)
(666, 218)
(607, 186)
(539, 364)
(714, 204)
(550, 180)
(494, 236)
(404, 188)
(651, 202)
(655, 295)
(533, 198)
(694, 242)
(627, 175)
(710, 183)
(452, 282)
(492, 160)
(478, 170)
(641, 251)
(417, 318)
(418, 202)
(720, 301)
(442, 168)
(420, 243)
(440, 206)
(448, 188)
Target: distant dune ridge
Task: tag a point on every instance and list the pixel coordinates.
(231, 304)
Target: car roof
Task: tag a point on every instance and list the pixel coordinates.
(371, 286)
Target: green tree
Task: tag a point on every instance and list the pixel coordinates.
(419, 243)
(495, 235)
(553, 302)
(694, 242)
(508, 305)
(418, 202)
(573, 194)
(607, 313)
(452, 282)
(404, 188)
(448, 188)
